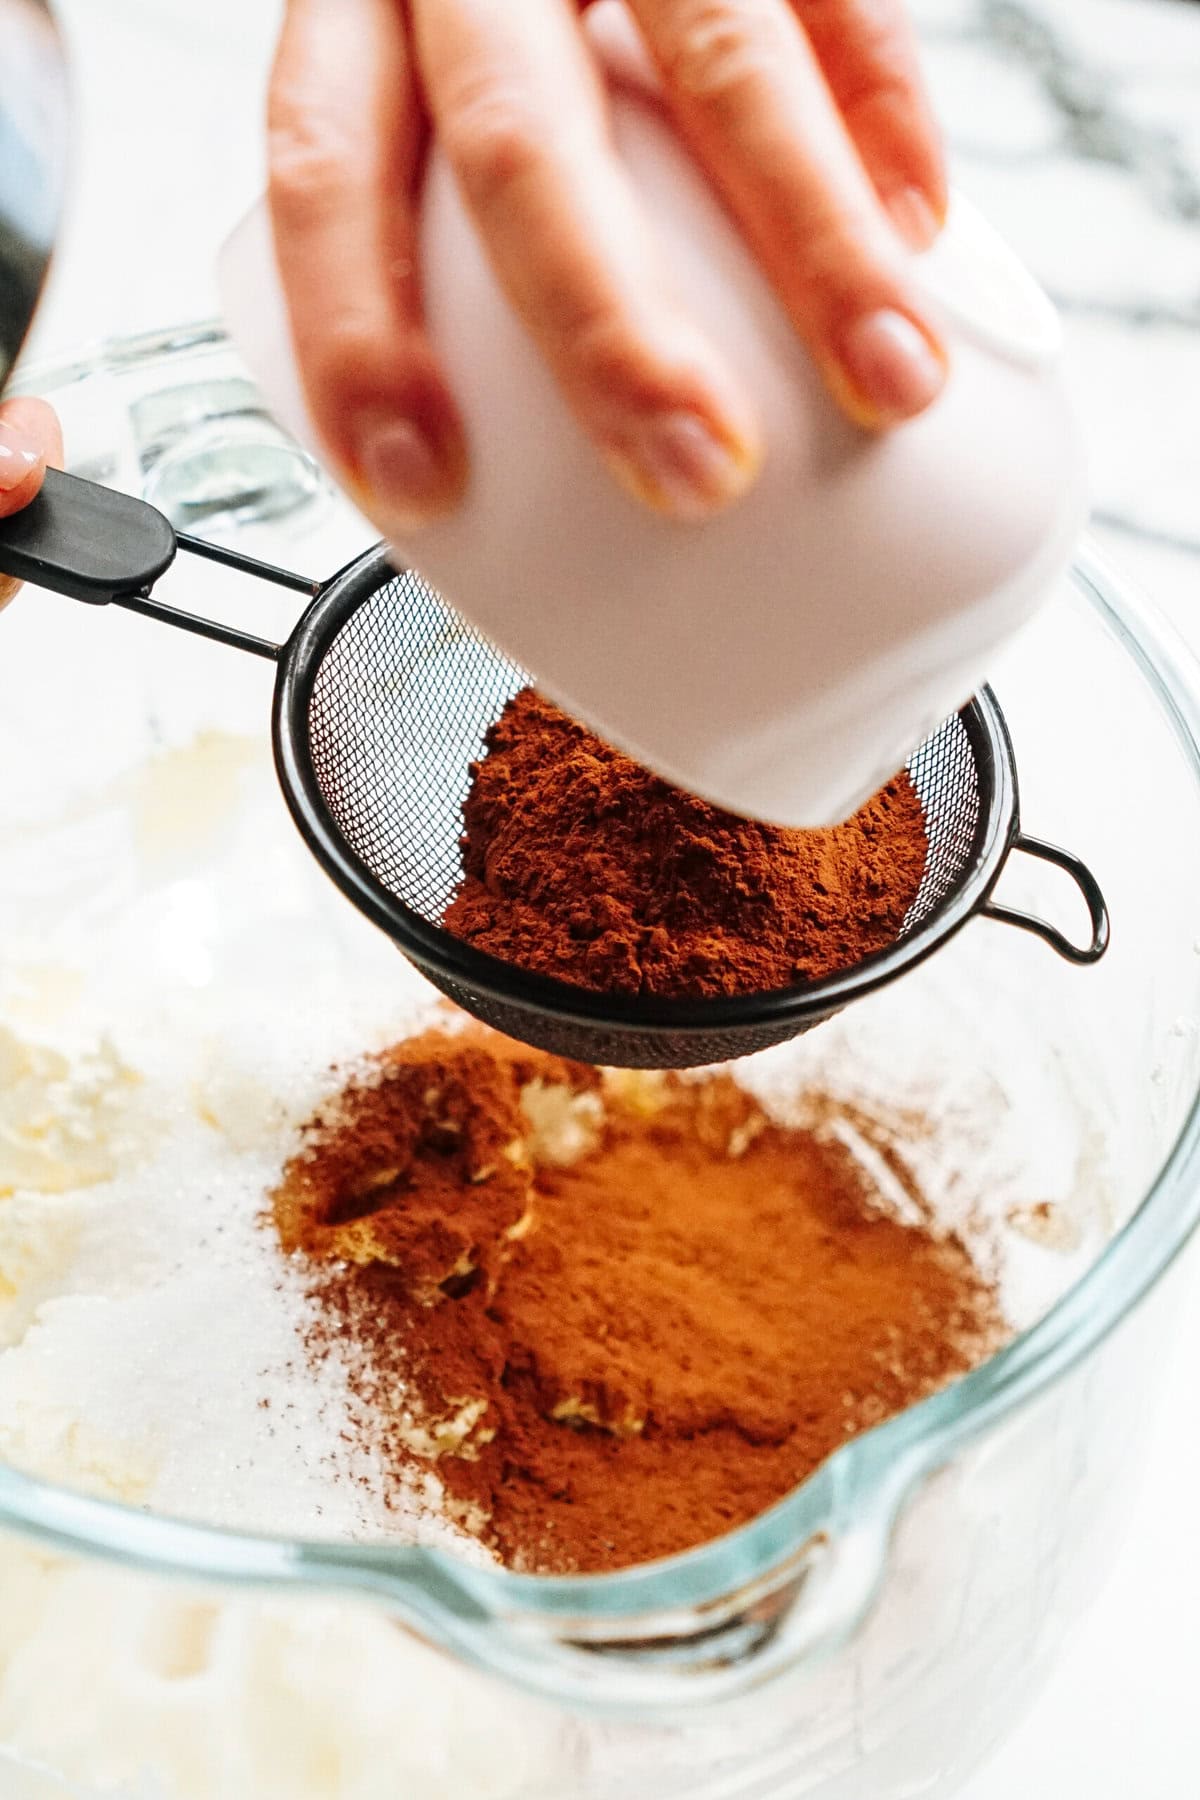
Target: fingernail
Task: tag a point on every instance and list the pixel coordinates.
(676, 463)
(914, 218)
(19, 457)
(892, 368)
(408, 477)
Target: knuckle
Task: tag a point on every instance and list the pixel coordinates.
(343, 366)
(348, 347)
(877, 88)
(883, 31)
(491, 141)
(879, 27)
(838, 271)
(610, 365)
(307, 164)
(829, 264)
(721, 51)
(602, 350)
(877, 66)
(828, 244)
(348, 363)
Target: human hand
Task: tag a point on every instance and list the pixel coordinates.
(809, 117)
(30, 438)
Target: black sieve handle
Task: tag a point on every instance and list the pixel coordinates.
(88, 542)
(1088, 886)
(95, 544)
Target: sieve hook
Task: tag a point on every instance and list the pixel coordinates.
(1088, 886)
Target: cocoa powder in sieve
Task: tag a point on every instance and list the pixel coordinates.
(615, 1315)
(578, 863)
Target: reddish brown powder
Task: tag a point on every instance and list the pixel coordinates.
(580, 864)
(623, 1357)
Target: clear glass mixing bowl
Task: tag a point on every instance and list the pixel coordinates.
(873, 1635)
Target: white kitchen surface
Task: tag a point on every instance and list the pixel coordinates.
(1076, 125)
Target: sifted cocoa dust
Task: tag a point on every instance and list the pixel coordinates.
(618, 1315)
(578, 863)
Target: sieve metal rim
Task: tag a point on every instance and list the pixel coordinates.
(435, 950)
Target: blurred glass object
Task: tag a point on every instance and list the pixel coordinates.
(33, 133)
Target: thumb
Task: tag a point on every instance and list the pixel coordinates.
(30, 439)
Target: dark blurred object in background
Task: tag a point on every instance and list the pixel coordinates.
(33, 120)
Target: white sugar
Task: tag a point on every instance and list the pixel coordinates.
(156, 1332)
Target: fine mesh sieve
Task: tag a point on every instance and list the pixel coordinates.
(382, 698)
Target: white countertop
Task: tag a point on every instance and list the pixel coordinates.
(1075, 124)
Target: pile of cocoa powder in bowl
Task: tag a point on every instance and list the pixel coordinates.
(580, 864)
(611, 1315)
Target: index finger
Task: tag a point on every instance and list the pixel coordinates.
(521, 116)
(345, 136)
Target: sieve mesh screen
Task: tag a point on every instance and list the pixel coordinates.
(399, 707)
(399, 703)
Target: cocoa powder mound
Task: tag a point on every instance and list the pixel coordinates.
(580, 864)
(616, 1316)
(424, 1168)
